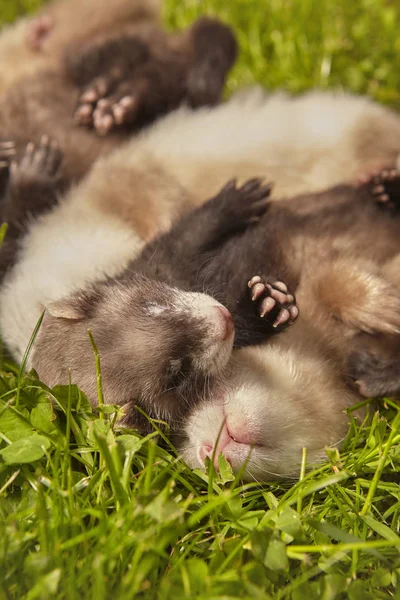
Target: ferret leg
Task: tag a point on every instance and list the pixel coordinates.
(121, 108)
(33, 183)
(214, 51)
(374, 364)
(269, 296)
(193, 69)
(203, 230)
(100, 69)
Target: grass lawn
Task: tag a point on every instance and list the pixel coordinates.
(88, 511)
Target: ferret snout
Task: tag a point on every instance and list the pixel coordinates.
(225, 326)
(218, 342)
(228, 438)
(218, 319)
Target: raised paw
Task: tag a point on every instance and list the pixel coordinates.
(373, 364)
(41, 161)
(242, 206)
(89, 99)
(273, 299)
(103, 110)
(7, 153)
(370, 171)
(385, 187)
(113, 112)
(38, 30)
(375, 375)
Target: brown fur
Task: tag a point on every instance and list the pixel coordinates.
(184, 180)
(342, 281)
(146, 187)
(159, 71)
(74, 21)
(160, 348)
(195, 256)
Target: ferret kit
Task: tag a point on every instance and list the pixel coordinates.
(120, 76)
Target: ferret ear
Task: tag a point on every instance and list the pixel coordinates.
(65, 309)
(74, 308)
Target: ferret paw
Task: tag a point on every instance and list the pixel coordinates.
(7, 153)
(38, 30)
(104, 111)
(242, 206)
(375, 375)
(115, 111)
(367, 175)
(88, 101)
(273, 297)
(385, 187)
(41, 161)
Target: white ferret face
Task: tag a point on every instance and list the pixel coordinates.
(275, 403)
(159, 346)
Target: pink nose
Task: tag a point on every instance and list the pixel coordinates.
(208, 450)
(228, 326)
(205, 450)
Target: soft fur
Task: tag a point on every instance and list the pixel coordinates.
(70, 21)
(273, 397)
(137, 64)
(141, 188)
(301, 144)
(277, 399)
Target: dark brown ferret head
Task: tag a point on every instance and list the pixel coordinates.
(214, 50)
(159, 346)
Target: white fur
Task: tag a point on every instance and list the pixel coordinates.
(64, 251)
(304, 143)
(273, 405)
(219, 346)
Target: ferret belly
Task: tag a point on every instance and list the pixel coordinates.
(305, 144)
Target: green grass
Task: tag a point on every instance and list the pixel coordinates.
(88, 511)
(298, 44)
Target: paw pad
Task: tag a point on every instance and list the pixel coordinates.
(385, 187)
(274, 297)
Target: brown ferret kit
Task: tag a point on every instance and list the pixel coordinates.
(115, 82)
(166, 346)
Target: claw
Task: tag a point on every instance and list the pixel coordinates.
(283, 317)
(276, 294)
(266, 306)
(257, 290)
